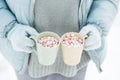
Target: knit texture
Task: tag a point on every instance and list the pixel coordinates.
(80, 75)
(37, 70)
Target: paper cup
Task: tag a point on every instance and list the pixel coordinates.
(72, 55)
(46, 55)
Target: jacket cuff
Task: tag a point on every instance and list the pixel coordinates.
(6, 19)
(8, 28)
(98, 28)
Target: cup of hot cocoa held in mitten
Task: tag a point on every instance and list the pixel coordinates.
(72, 44)
(46, 48)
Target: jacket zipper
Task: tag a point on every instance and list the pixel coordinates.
(31, 13)
(81, 15)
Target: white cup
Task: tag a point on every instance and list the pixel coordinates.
(46, 55)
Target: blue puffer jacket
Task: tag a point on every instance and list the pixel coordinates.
(98, 12)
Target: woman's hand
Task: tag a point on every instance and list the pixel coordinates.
(19, 37)
(93, 40)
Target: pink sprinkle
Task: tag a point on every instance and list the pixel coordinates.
(48, 41)
(72, 40)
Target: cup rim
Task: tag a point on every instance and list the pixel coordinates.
(58, 38)
(74, 33)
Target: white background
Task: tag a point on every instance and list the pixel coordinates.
(111, 65)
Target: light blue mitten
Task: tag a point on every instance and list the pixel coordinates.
(19, 37)
(93, 40)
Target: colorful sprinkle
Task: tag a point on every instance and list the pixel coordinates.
(72, 40)
(48, 41)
